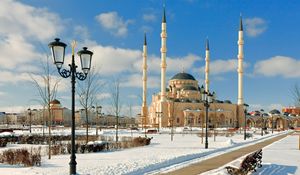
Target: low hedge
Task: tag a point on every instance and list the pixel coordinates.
(22, 156)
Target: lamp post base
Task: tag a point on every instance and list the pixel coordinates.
(73, 167)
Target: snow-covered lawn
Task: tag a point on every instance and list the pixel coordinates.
(280, 158)
(160, 156)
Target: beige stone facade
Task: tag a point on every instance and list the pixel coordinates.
(184, 107)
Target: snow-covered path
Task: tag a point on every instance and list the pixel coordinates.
(280, 158)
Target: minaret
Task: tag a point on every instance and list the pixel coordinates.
(144, 105)
(206, 66)
(163, 51)
(240, 63)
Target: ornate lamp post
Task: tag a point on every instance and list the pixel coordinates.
(245, 122)
(262, 121)
(29, 113)
(58, 54)
(207, 100)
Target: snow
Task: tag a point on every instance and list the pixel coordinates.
(280, 158)
(6, 134)
(162, 155)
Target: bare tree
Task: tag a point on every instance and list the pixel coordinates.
(171, 111)
(116, 105)
(46, 85)
(88, 91)
(296, 95)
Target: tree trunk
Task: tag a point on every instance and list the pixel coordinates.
(49, 136)
(117, 127)
(87, 125)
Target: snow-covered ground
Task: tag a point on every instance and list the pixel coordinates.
(160, 156)
(280, 158)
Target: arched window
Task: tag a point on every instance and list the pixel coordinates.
(177, 120)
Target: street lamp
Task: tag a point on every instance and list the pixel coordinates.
(58, 54)
(207, 99)
(262, 121)
(29, 113)
(245, 122)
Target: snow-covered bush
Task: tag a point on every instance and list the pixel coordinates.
(22, 156)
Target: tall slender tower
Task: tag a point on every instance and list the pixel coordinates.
(206, 66)
(163, 51)
(144, 105)
(240, 63)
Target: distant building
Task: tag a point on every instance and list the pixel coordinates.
(292, 110)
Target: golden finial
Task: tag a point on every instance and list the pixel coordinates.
(73, 44)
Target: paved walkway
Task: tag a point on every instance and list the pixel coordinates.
(218, 161)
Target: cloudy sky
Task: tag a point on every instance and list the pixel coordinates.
(114, 29)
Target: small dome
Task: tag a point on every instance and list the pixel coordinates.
(274, 111)
(227, 101)
(183, 76)
(55, 101)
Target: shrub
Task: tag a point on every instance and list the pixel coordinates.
(8, 156)
(3, 142)
(22, 156)
(141, 141)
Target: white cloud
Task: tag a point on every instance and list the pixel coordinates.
(135, 80)
(19, 109)
(15, 50)
(113, 60)
(12, 77)
(274, 106)
(278, 66)
(2, 94)
(19, 18)
(146, 29)
(255, 26)
(174, 64)
(133, 96)
(149, 17)
(255, 107)
(182, 63)
(267, 107)
(134, 110)
(81, 32)
(114, 23)
(223, 66)
(15, 78)
(103, 96)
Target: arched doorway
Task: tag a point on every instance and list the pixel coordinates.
(211, 121)
(279, 123)
(250, 123)
(222, 120)
(190, 120)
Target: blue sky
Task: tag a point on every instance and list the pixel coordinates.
(114, 31)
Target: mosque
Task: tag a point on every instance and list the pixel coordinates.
(179, 103)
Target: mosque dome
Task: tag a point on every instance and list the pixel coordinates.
(183, 76)
(274, 111)
(55, 102)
